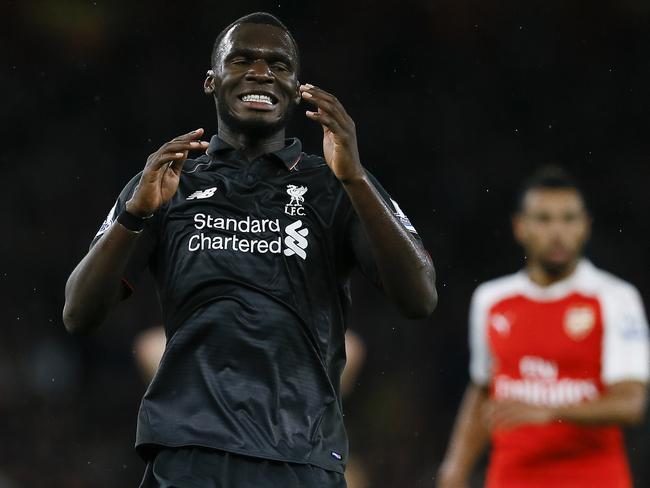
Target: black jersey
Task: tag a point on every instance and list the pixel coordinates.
(252, 262)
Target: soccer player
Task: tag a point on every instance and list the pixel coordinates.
(251, 246)
(559, 358)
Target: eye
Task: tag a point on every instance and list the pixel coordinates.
(279, 67)
(239, 61)
(541, 218)
(569, 218)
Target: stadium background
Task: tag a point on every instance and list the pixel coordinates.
(455, 102)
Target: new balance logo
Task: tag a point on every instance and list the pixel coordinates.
(199, 194)
(295, 239)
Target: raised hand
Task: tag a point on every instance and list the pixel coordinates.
(161, 174)
(339, 133)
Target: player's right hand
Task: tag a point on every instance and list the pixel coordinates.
(161, 174)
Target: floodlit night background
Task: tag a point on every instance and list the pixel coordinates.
(455, 102)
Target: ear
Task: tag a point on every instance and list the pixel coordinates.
(209, 83)
(518, 228)
(297, 97)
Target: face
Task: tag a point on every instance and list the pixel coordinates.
(255, 82)
(552, 226)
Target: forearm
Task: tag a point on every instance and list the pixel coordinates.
(624, 403)
(95, 285)
(468, 440)
(405, 269)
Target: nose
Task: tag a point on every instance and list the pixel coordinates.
(559, 232)
(556, 229)
(260, 71)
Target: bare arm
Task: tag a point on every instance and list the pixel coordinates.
(468, 440)
(622, 403)
(94, 287)
(149, 348)
(355, 352)
(404, 267)
(405, 270)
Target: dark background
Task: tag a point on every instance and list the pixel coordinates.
(455, 103)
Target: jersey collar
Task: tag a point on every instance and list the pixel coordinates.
(289, 155)
(560, 288)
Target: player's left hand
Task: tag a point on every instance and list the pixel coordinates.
(339, 133)
(508, 414)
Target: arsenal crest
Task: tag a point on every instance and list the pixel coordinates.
(579, 322)
(500, 323)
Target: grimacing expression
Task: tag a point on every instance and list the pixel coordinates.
(553, 227)
(255, 79)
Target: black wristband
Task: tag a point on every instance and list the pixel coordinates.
(132, 222)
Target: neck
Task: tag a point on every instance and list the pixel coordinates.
(251, 147)
(542, 276)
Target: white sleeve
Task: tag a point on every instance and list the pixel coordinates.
(480, 365)
(626, 348)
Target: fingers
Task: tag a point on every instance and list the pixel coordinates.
(176, 150)
(489, 414)
(171, 156)
(177, 146)
(320, 98)
(499, 414)
(171, 153)
(195, 134)
(185, 142)
(506, 414)
(324, 119)
(330, 111)
(177, 163)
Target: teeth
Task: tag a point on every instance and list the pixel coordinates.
(257, 98)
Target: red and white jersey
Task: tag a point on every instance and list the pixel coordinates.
(558, 345)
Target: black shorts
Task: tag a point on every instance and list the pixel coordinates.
(195, 467)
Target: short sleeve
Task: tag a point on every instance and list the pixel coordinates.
(393, 205)
(357, 236)
(146, 243)
(625, 345)
(480, 365)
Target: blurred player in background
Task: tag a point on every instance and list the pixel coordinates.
(559, 358)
